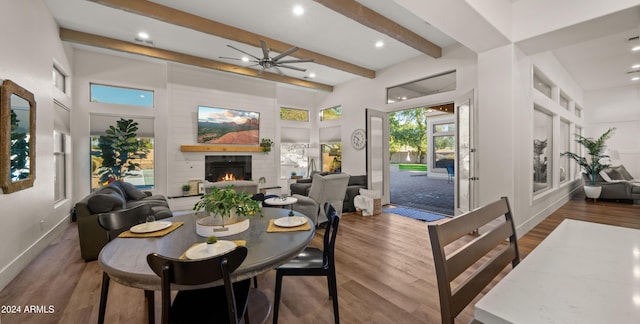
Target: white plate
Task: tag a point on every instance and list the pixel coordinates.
(150, 227)
(290, 221)
(201, 251)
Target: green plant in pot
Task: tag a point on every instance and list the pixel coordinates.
(225, 204)
(185, 189)
(266, 144)
(595, 162)
(120, 149)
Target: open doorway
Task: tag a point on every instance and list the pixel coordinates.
(422, 158)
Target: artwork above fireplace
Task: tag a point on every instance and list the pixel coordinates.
(227, 167)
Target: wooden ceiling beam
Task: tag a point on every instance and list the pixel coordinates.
(180, 18)
(78, 37)
(365, 16)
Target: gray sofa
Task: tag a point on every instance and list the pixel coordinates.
(617, 184)
(116, 196)
(302, 187)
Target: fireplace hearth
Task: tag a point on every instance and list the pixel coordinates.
(227, 167)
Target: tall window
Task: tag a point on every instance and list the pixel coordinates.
(60, 170)
(578, 149)
(331, 157)
(565, 144)
(443, 144)
(294, 160)
(121, 95)
(143, 175)
(59, 79)
(331, 113)
(294, 114)
(442, 82)
(542, 83)
(542, 143)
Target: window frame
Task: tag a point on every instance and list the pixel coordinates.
(152, 92)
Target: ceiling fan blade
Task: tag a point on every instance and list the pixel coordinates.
(295, 61)
(230, 58)
(241, 51)
(278, 70)
(265, 50)
(285, 53)
(292, 67)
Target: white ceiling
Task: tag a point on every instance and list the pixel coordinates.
(594, 53)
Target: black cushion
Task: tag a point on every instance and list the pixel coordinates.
(130, 191)
(105, 201)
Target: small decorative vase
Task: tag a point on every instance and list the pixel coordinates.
(592, 192)
(210, 248)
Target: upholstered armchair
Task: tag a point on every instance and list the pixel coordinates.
(330, 188)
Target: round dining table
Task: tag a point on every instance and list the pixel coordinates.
(124, 260)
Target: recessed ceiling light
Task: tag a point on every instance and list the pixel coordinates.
(245, 59)
(635, 78)
(635, 48)
(635, 66)
(379, 44)
(298, 10)
(312, 75)
(143, 35)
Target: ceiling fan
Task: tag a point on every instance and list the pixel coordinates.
(267, 62)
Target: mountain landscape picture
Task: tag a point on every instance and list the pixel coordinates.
(228, 126)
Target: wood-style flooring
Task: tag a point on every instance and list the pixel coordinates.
(384, 267)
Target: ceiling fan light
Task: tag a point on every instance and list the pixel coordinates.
(312, 75)
(143, 35)
(245, 59)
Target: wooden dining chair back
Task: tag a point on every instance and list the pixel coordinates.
(219, 304)
(482, 258)
(118, 221)
(314, 262)
(114, 223)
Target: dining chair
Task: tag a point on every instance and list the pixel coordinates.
(114, 223)
(314, 262)
(219, 304)
(479, 257)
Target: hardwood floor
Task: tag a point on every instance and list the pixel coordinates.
(384, 268)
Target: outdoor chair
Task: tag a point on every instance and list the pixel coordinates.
(455, 252)
(314, 262)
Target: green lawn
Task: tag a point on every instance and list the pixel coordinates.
(412, 167)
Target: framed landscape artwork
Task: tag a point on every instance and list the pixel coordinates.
(228, 126)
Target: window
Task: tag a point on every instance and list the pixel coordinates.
(331, 113)
(59, 79)
(444, 128)
(565, 144)
(430, 85)
(578, 111)
(542, 143)
(578, 149)
(121, 96)
(541, 83)
(443, 144)
(60, 169)
(143, 175)
(294, 114)
(564, 101)
(331, 157)
(294, 160)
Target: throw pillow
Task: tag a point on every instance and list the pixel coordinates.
(623, 171)
(132, 192)
(105, 201)
(614, 174)
(605, 175)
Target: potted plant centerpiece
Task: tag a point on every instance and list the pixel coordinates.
(266, 144)
(596, 162)
(226, 206)
(185, 189)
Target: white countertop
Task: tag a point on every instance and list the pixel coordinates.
(581, 273)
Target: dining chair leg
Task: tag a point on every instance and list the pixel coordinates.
(276, 298)
(104, 292)
(334, 295)
(151, 306)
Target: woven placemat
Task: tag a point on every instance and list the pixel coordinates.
(161, 233)
(237, 242)
(273, 228)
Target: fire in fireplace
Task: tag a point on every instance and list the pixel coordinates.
(227, 167)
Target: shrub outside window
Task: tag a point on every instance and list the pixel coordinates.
(331, 113)
(294, 114)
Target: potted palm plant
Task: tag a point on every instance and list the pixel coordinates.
(594, 163)
(224, 205)
(266, 144)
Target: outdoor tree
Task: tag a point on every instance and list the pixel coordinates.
(119, 149)
(408, 128)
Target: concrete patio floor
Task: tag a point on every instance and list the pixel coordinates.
(414, 189)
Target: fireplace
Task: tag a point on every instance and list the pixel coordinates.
(227, 167)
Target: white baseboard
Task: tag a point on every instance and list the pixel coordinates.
(16, 265)
(525, 227)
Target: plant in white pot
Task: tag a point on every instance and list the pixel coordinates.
(224, 205)
(596, 161)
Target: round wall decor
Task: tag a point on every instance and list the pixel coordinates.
(358, 139)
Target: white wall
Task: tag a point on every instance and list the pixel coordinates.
(617, 108)
(30, 219)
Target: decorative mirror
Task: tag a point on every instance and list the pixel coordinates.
(17, 137)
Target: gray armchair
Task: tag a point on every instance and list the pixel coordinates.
(330, 188)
